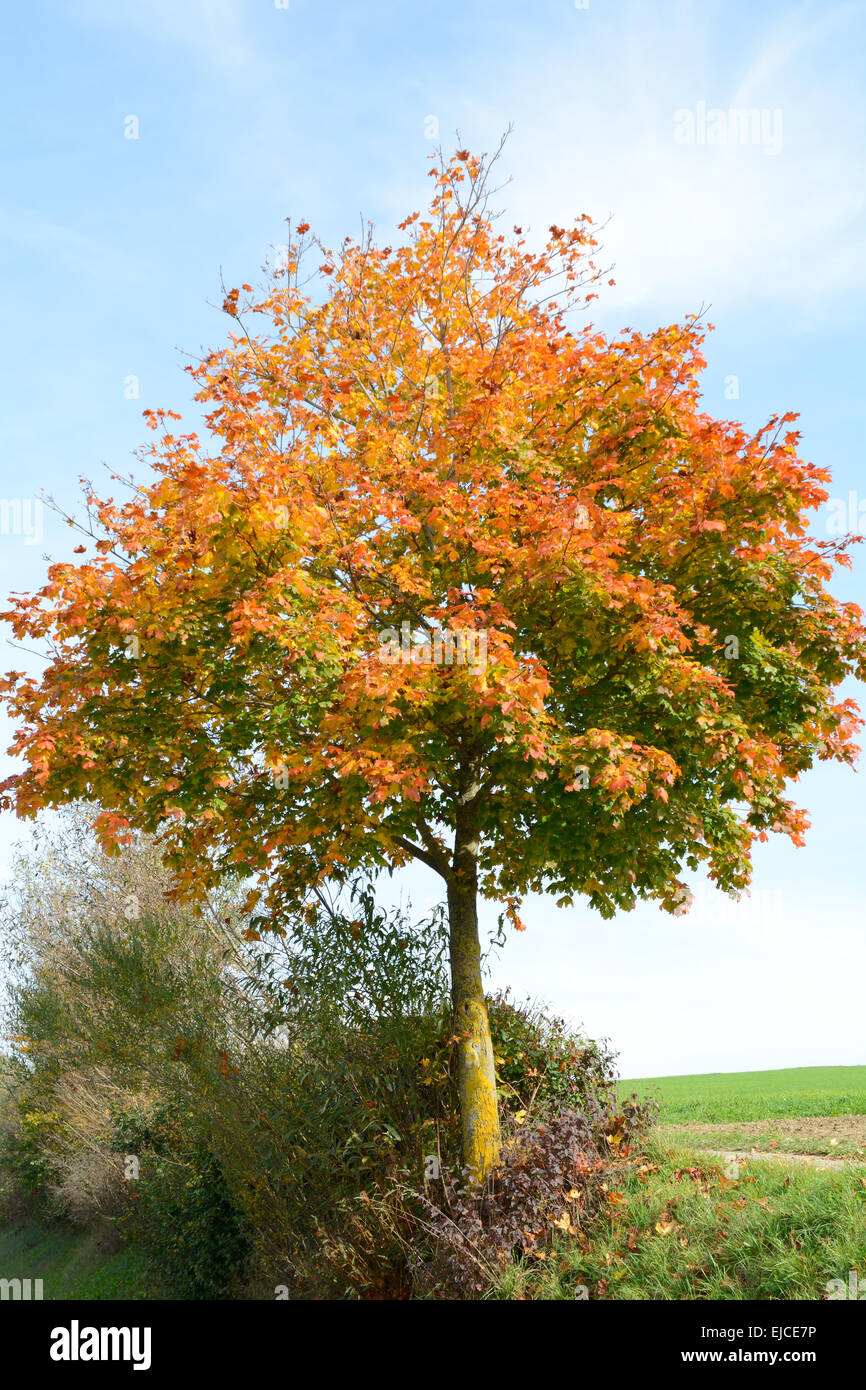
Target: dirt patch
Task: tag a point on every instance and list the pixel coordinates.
(747, 1156)
(797, 1127)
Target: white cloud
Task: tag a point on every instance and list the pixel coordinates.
(727, 224)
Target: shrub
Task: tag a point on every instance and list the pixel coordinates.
(284, 1087)
(549, 1180)
(542, 1064)
(564, 1122)
(30, 1128)
(181, 1215)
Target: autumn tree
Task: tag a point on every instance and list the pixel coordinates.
(453, 577)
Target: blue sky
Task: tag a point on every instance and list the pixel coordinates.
(111, 252)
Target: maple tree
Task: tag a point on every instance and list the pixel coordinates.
(423, 439)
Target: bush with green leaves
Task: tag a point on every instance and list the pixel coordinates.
(289, 1092)
(181, 1214)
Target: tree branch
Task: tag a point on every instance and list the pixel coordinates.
(434, 859)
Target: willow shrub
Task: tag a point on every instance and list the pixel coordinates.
(287, 1099)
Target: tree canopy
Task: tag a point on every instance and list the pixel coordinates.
(424, 434)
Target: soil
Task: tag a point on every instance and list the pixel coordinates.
(799, 1127)
(747, 1156)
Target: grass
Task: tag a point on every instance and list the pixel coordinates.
(677, 1228)
(71, 1263)
(754, 1095)
(679, 1225)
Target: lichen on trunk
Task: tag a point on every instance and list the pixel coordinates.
(476, 1075)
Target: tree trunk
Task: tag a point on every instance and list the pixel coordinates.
(476, 1077)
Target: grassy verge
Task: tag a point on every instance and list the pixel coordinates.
(72, 1263)
(677, 1228)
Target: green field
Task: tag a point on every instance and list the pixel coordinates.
(754, 1095)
